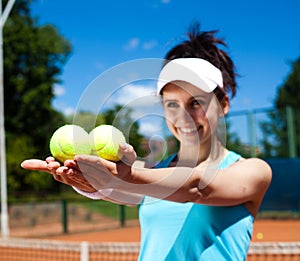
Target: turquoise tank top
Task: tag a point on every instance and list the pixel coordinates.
(189, 231)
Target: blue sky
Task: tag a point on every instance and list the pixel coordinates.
(263, 38)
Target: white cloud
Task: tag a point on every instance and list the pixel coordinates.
(59, 90)
(146, 107)
(132, 93)
(68, 111)
(149, 45)
(63, 108)
(151, 129)
(132, 44)
(135, 43)
(165, 1)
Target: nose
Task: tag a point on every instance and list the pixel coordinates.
(185, 116)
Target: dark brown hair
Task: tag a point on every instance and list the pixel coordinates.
(207, 46)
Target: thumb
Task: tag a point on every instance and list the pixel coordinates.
(128, 153)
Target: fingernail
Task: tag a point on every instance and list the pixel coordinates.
(123, 145)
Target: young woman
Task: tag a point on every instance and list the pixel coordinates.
(200, 203)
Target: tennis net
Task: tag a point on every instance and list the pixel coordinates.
(17, 249)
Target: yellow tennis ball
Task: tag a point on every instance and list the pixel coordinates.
(68, 141)
(259, 235)
(106, 140)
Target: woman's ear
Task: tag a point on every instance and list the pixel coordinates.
(225, 105)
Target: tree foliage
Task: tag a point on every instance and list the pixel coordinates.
(120, 117)
(233, 142)
(33, 59)
(86, 120)
(275, 129)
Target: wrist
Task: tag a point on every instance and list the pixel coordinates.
(124, 173)
(131, 175)
(98, 194)
(92, 190)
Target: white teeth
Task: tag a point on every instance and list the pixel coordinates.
(188, 130)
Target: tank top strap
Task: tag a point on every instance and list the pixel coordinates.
(230, 158)
(166, 162)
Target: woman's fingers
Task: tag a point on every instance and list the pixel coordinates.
(128, 153)
(35, 164)
(97, 171)
(68, 174)
(50, 159)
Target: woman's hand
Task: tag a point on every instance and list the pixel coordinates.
(104, 174)
(68, 174)
(87, 173)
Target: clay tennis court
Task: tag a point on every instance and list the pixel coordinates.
(264, 231)
(284, 231)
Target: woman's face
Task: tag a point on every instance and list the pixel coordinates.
(191, 114)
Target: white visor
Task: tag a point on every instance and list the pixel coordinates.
(196, 71)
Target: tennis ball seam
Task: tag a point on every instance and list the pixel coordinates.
(69, 140)
(105, 142)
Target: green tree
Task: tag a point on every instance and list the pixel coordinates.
(233, 142)
(275, 129)
(120, 117)
(33, 59)
(86, 120)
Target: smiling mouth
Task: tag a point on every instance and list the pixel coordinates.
(189, 131)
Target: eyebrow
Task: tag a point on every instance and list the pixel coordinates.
(166, 98)
(205, 97)
(169, 100)
(200, 96)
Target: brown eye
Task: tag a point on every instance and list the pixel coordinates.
(198, 102)
(171, 105)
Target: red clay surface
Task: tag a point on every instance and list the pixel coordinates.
(264, 231)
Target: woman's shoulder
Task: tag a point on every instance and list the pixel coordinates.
(260, 178)
(258, 168)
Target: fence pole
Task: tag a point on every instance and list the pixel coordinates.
(64, 215)
(291, 132)
(122, 215)
(252, 139)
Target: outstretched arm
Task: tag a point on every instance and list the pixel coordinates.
(244, 182)
(73, 177)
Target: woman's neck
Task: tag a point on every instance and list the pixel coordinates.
(192, 156)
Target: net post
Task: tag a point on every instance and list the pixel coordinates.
(64, 215)
(291, 132)
(122, 215)
(251, 129)
(84, 251)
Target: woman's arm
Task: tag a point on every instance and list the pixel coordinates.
(79, 183)
(114, 196)
(245, 181)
